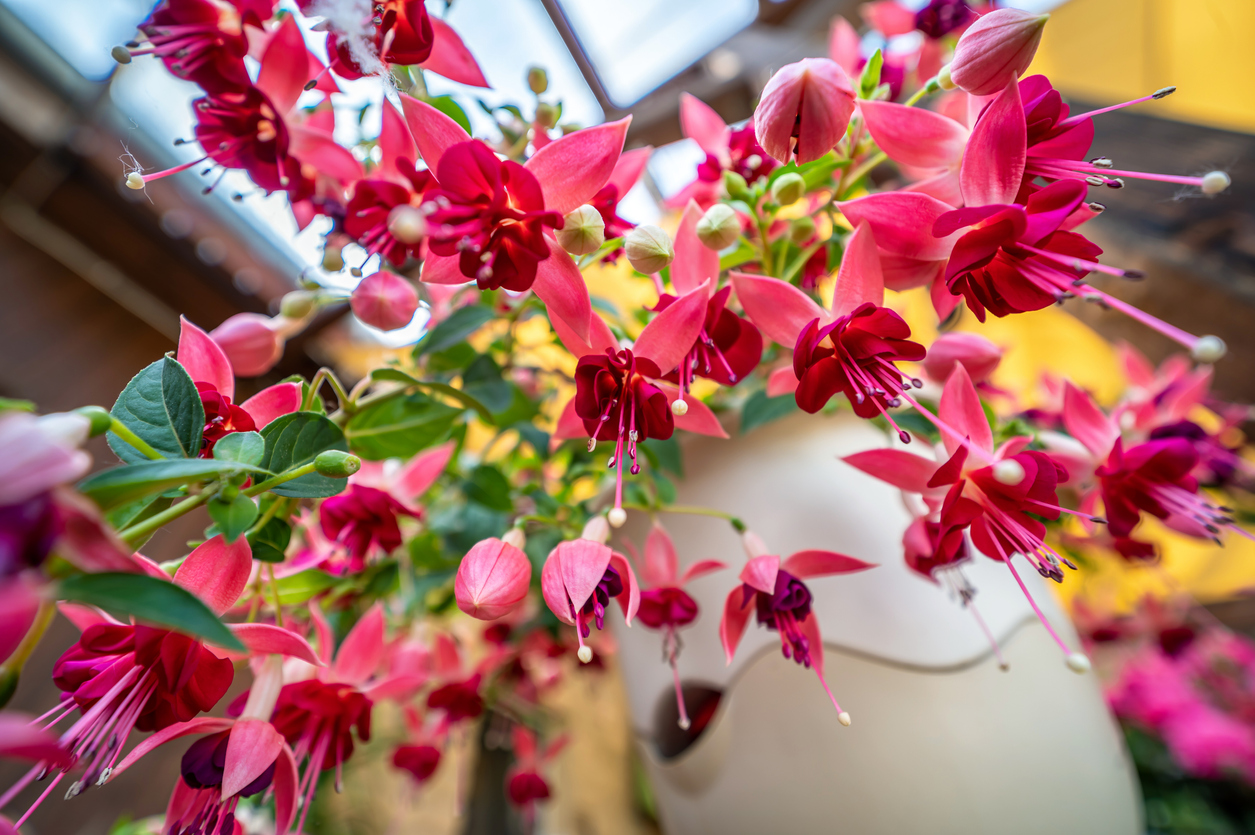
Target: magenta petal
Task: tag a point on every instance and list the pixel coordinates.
(363, 648)
(859, 280)
(217, 572)
(700, 569)
(807, 564)
(554, 590)
(285, 786)
(779, 309)
(902, 222)
(700, 122)
(993, 164)
(395, 143)
(252, 747)
(760, 573)
(660, 559)
(433, 131)
(450, 57)
(694, 262)
(960, 408)
(204, 360)
(736, 614)
(442, 270)
(582, 563)
(904, 470)
(267, 639)
(319, 149)
(560, 285)
(573, 169)
(272, 402)
(1087, 423)
(670, 335)
(914, 136)
(844, 45)
(600, 337)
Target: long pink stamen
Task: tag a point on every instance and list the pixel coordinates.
(989, 635)
(1080, 117)
(947, 429)
(148, 178)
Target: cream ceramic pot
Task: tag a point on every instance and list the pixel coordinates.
(942, 740)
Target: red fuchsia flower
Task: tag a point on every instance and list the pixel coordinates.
(456, 685)
(384, 300)
(252, 342)
(996, 49)
(421, 753)
(1001, 496)
(615, 399)
(581, 576)
(851, 348)
(122, 677)
(524, 785)
(210, 368)
(363, 520)
(493, 577)
(204, 41)
(665, 605)
(726, 148)
(942, 17)
(782, 603)
(627, 172)
(804, 110)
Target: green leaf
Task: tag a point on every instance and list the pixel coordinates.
(400, 426)
(744, 253)
(162, 406)
(244, 447)
(271, 541)
(760, 409)
(299, 588)
(467, 400)
(450, 108)
(490, 488)
(534, 435)
(233, 517)
(666, 455)
(129, 514)
(294, 440)
(149, 599)
(461, 323)
(132, 482)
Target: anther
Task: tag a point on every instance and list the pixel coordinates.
(1162, 92)
(121, 54)
(311, 84)
(1209, 349)
(585, 654)
(616, 517)
(1095, 180)
(1096, 208)
(1115, 182)
(1136, 275)
(592, 444)
(1101, 162)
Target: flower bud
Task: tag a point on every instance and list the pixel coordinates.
(492, 579)
(719, 227)
(385, 301)
(788, 188)
(66, 429)
(334, 463)
(97, 417)
(804, 110)
(546, 115)
(944, 80)
(515, 537)
(406, 224)
(537, 80)
(978, 356)
(802, 229)
(736, 186)
(250, 343)
(597, 529)
(996, 49)
(298, 304)
(583, 231)
(649, 249)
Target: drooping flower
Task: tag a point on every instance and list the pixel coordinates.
(804, 110)
(971, 350)
(627, 172)
(525, 787)
(581, 576)
(782, 603)
(493, 577)
(421, 752)
(996, 49)
(726, 149)
(204, 41)
(363, 520)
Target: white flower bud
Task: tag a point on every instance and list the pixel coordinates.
(719, 227)
(649, 249)
(583, 231)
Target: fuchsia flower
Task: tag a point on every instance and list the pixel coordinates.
(204, 41)
(810, 101)
(487, 218)
(851, 348)
(665, 604)
(384, 300)
(928, 144)
(782, 603)
(996, 49)
(362, 520)
(525, 786)
(726, 148)
(252, 342)
(493, 578)
(971, 350)
(421, 753)
(580, 577)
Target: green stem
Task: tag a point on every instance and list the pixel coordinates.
(138, 531)
(270, 513)
(800, 260)
(690, 510)
(864, 169)
(604, 250)
(764, 225)
(282, 477)
(327, 374)
(124, 432)
(931, 87)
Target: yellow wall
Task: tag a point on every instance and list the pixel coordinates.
(1107, 51)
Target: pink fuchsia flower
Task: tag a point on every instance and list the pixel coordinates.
(39, 453)
(493, 577)
(726, 149)
(20, 739)
(971, 350)
(203, 41)
(927, 144)
(422, 751)
(252, 342)
(455, 693)
(665, 605)
(851, 348)
(627, 172)
(782, 603)
(525, 787)
(363, 520)
(995, 50)
(804, 110)
(579, 579)
(384, 300)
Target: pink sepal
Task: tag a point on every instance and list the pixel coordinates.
(363, 648)
(285, 786)
(252, 747)
(780, 310)
(22, 740)
(628, 170)
(694, 261)
(442, 270)
(570, 575)
(814, 641)
(670, 335)
(450, 57)
(272, 402)
(421, 472)
(217, 572)
(660, 559)
(904, 470)
(914, 136)
(395, 143)
(600, 337)
(570, 425)
(1087, 423)
(632, 589)
(560, 285)
(960, 408)
(326, 638)
(199, 725)
(782, 381)
(903, 223)
(432, 130)
(284, 66)
(813, 563)
(700, 569)
(736, 613)
(267, 639)
(760, 573)
(859, 280)
(700, 122)
(571, 170)
(84, 617)
(993, 164)
(699, 419)
(204, 361)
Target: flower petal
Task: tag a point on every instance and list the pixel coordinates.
(993, 164)
(844, 45)
(700, 122)
(670, 335)
(571, 170)
(860, 279)
(780, 310)
(760, 573)
(699, 419)
(582, 562)
(736, 614)
(694, 262)
(284, 67)
(272, 402)
(631, 590)
(700, 569)
(363, 648)
(782, 381)
(814, 641)
(960, 408)
(285, 785)
(217, 572)
(199, 725)
(267, 639)
(443, 270)
(628, 170)
(660, 559)
(319, 149)
(1087, 423)
(432, 130)
(450, 57)
(904, 470)
(903, 222)
(807, 564)
(570, 425)
(600, 337)
(395, 143)
(252, 747)
(914, 136)
(203, 360)
(553, 589)
(422, 471)
(22, 740)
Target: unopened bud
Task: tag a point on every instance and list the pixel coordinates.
(802, 229)
(99, 419)
(334, 463)
(719, 228)
(788, 188)
(537, 80)
(1209, 349)
(332, 259)
(515, 537)
(996, 49)
(121, 54)
(546, 115)
(583, 231)
(251, 344)
(944, 81)
(135, 180)
(649, 249)
(736, 186)
(298, 304)
(406, 224)
(597, 529)
(1215, 182)
(384, 300)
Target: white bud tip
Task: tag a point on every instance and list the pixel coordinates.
(1078, 663)
(844, 718)
(679, 408)
(1209, 349)
(616, 517)
(134, 180)
(1009, 472)
(684, 724)
(1215, 182)
(585, 654)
